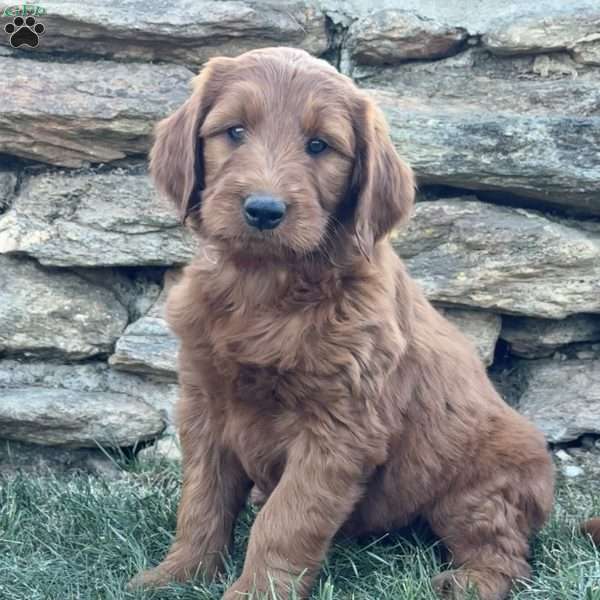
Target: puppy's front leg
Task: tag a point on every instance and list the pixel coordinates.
(215, 488)
(320, 486)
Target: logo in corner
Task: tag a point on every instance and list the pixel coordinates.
(25, 29)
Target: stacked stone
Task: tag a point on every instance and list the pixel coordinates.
(498, 112)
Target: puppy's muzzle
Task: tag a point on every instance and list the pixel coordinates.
(263, 212)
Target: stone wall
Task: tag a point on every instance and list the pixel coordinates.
(496, 107)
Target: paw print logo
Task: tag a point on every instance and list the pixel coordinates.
(24, 32)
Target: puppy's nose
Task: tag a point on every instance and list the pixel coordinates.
(263, 212)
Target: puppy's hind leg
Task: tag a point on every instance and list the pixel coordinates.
(486, 526)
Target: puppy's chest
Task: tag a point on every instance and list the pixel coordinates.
(303, 359)
(266, 411)
(268, 338)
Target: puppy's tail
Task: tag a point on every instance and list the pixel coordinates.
(592, 529)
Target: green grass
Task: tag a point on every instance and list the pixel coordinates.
(83, 537)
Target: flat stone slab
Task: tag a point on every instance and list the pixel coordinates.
(561, 397)
(167, 448)
(482, 328)
(517, 126)
(148, 345)
(393, 36)
(137, 290)
(535, 338)
(477, 18)
(81, 405)
(576, 31)
(95, 219)
(57, 417)
(185, 31)
(98, 112)
(503, 259)
(55, 313)
(483, 85)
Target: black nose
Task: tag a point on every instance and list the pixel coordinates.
(263, 212)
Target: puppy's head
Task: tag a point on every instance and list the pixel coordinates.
(275, 151)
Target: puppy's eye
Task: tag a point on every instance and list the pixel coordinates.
(237, 133)
(316, 146)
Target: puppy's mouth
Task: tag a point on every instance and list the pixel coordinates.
(259, 249)
(259, 244)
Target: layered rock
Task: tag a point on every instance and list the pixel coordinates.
(503, 100)
(55, 417)
(489, 86)
(8, 182)
(561, 397)
(535, 338)
(45, 312)
(498, 125)
(392, 36)
(470, 121)
(165, 448)
(81, 405)
(512, 260)
(147, 345)
(477, 21)
(136, 290)
(575, 31)
(94, 219)
(482, 328)
(187, 32)
(98, 112)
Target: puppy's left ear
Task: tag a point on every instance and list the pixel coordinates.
(382, 184)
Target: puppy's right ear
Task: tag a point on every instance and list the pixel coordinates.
(176, 158)
(382, 184)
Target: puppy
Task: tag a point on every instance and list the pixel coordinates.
(311, 364)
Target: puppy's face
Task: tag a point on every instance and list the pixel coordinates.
(278, 147)
(275, 151)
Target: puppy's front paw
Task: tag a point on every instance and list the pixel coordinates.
(173, 569)
(241, 590)
(156, 577)
(470, 584)
(256, 588)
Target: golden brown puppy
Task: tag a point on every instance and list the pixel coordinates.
(311, 364)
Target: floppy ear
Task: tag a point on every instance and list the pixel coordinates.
(383, 185)
(176, 158)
